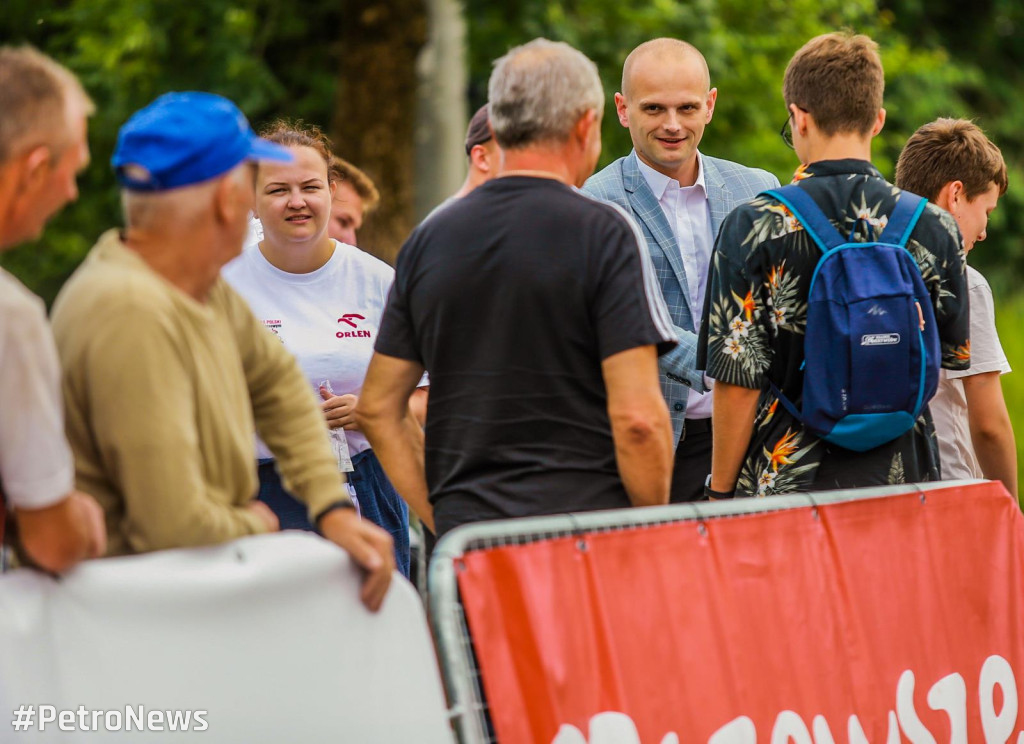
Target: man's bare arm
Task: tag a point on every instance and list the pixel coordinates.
(640, 424)
(733, 411)
(385, 416)
(418, 404)
(991, 431)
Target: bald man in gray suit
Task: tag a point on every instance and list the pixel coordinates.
(679, 197)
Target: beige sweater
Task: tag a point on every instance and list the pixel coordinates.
(162, 394)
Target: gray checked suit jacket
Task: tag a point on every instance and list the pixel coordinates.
(729, 185)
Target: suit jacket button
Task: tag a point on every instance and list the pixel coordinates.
(679, 406)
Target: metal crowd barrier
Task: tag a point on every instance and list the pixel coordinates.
(467, 708)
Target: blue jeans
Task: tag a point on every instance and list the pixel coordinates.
(379, 502)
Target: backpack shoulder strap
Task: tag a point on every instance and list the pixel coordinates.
(903, 218)
(810, 215)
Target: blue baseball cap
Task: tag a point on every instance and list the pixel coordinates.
(186, 138)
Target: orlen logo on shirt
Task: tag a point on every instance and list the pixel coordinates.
(350, 319)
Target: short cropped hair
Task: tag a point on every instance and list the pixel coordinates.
(947, 150)
(36, 93)
(299, 134)
(538, 91)
(663, 46)
(341, 170)
(149, 209)
(838, 79)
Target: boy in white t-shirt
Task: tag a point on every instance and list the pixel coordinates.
(954, 165)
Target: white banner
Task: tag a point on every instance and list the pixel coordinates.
(260, 640)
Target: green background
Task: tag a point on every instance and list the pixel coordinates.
(281, 59)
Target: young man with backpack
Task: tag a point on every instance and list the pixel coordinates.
(876, 317)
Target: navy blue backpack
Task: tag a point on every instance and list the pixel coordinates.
(871, 350)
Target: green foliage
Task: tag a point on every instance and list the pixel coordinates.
(268, 59)
(275, 61)
(1010, 316)
(941, 59)
(747, 46)
(984, 41)
(934, 67)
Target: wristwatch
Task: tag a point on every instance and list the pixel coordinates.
(334, 507)
(711, 495)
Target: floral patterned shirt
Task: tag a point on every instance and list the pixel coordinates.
(756, 311)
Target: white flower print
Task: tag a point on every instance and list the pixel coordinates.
(779, 316)
(766, 481)
(739, 326)
(878, 223)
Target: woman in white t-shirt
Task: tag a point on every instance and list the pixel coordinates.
(324, 300)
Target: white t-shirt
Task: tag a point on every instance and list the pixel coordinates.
(327, 318)
(949, 406)
(36, 466)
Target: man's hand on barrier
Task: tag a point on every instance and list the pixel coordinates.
(59, 536)
(266, 515)
(94, 523)
(370, 547)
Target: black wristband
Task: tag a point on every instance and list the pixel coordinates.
(333, 507)
(716, 495)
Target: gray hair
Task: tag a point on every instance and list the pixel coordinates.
(181, 206)
(39, 98)
(538, 91)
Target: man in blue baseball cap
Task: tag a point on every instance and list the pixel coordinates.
(166, 371)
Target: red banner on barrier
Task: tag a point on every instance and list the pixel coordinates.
(884, 620)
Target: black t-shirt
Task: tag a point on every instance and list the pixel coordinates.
(511, 298)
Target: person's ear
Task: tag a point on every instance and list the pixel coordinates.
(879, 123)
(584, 125)
(949, 195)
(956, 192)
(621, 110)
(34, 164)
(226, 199)
(478, 156)
(801, 119)
(712, 99)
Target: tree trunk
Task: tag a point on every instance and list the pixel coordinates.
(441, 132)
(374, 122)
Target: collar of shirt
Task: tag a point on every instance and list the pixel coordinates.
(848, 166)
(659, 182)
(688, 215)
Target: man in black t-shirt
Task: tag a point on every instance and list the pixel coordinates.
(537, 314)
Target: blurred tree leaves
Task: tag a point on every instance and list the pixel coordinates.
(941, 59)
(267, 58)
(984, 42)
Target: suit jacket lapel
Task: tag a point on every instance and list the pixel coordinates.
(720, 199)
(648, 211)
